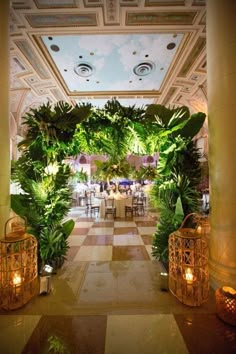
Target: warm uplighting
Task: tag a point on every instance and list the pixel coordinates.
(51, 169)
(164, 281)
(189, 276)
(47, 269)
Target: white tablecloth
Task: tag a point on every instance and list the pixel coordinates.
(119, 204)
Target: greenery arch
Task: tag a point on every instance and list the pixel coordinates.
(56, 132)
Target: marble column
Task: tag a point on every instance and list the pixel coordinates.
(221, 82)
(4, 119)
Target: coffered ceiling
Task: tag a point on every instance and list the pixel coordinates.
(139, 51)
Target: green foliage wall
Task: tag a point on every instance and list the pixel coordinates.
(179, 171)
(54, 133)
(43, 176)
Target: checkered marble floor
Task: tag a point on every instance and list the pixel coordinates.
(95, 239)
(106, 299)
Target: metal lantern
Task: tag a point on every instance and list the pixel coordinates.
(18, 265)
(226, 304)
(188, 264)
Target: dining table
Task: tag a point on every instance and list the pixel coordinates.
(120, 201)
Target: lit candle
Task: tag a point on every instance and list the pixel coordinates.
(199, 229)
(16, 279)
(17, 283)
(189, 276)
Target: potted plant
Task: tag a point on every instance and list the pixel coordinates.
(175, 189)
(43, 176)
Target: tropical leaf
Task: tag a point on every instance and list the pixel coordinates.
(193, 125)
(67, 227)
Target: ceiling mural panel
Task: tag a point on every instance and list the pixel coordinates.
(199, 2)
(141, 52)
(62, 20)
(160, 18)
(57, 94)
(129, 2)
(111, 12)
(21, 4)
(32, 57)
(17, 67)
(193, 55)
(172, 91)
(164, 2)
(93, 3)
(137, 62)
(55, 3)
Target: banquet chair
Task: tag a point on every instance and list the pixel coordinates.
(74, 200)
(139, 204)
(91, 206)
(110, 207)
(131, 208)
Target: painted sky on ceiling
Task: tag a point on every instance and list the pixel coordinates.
(112, 59)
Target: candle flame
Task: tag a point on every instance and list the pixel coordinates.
(199, 229)
(189, 275)
(16, 279)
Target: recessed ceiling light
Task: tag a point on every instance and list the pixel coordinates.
(144, 68)
(171, 45)
(50, 38)
(84, 69)
(65, 69)
(147, 55)
(55, 48)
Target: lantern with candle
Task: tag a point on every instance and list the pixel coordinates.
(188, 263)
(18, 265)
(226, 304)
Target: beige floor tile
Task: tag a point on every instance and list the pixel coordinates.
(70, 277)
(76, 240)
(137, 285)
(79, 231)
(147, 230)
(126, 231)
(128, 253)
(149, 251)
(101, 231)
(99, 289)
(103, 223)
(127, 240)
(83, 224)
(15, 331)
(153, 267)
(124, 224)
(94, 253)
(144, 334)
